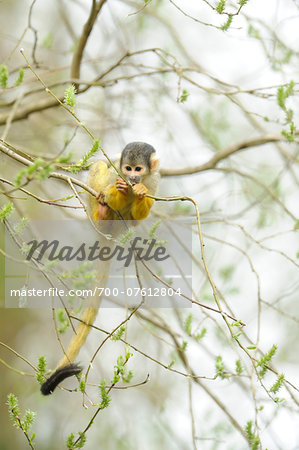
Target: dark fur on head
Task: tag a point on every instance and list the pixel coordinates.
(137, 153)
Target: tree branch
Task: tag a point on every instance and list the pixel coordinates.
(60, 176)
(78, 55)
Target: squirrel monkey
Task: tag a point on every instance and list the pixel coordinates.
(116, 200)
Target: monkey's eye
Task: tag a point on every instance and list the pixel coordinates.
(138, 168)
(128, 168)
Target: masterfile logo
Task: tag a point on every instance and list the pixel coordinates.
(140, 249)
(69, 263)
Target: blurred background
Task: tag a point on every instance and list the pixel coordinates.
(203, 82)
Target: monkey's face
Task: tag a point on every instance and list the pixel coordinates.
(132, 173)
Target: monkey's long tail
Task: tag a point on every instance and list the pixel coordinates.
(66, 368)
(88, 317)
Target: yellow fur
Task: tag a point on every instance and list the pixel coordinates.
(116, 199)
(95, 214)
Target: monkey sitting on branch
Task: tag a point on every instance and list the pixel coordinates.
(116, 200)
(138, 165)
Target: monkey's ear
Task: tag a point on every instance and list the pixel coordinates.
(154, 161)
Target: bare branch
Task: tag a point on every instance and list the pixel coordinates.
(223, 154)
(87, 29)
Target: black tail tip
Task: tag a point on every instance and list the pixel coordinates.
(58, 376)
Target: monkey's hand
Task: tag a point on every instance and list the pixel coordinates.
(141, 205)
(102, 212)
(121, 185)
(140, 190)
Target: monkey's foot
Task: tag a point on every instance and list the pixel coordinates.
(121, 185)
(100, 197)
(140, 190)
